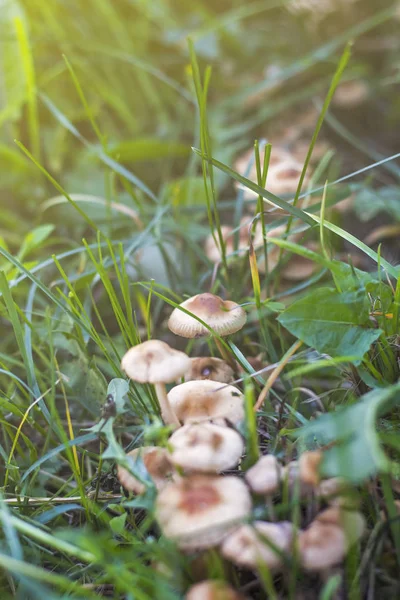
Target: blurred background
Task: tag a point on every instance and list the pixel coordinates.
(271, 61)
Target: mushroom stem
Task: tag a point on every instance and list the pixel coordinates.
(167, 413)
(226, 355)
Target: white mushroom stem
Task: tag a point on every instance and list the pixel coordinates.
(167, 413)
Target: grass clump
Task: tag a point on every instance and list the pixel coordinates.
(151, 157)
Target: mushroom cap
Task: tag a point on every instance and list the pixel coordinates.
(208, 367)
(213, 590)
(223, 316)
(349, 94)
(158, 465)
(327, 540)
(309, 463)
(206, 447)
(265, 475)
(248, 546)
(154, 362)
(200, 510)
(196, 401)
(212, 250)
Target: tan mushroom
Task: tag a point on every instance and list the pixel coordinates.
(212, 247)
(157, 464)
(213, 590)
(208, 367)
(205, 447)
(265, 476)
(350, 94)
(199, 511)
(327, 540)
(309, 463)
(291, 479)
(259, 544)
(196, 401)
(223, 316)
(155, 362)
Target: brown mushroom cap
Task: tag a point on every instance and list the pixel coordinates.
(196, 401)
(265, 476)
(200, 511)
(248, 546)
(213, 590)
(209, 367)
(158, 465)
(223, 316)
(155, 362)
(206, 447)
(327, 540)
(309, 463)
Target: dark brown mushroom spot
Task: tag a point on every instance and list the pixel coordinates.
(205, 304)
(199, 497)
(197, 407)
(157, 463)
(216, 441)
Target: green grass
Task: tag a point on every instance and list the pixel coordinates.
(120, 124)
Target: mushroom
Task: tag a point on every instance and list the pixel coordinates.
(309, 464)
(350, 94)
(291, 478)
(155, 362)
(205, 400)
(249, 545)
(199, 511)
(222, 316)
(206, 447)
(265, 476)
(327, 540)
(211, 246)
(213, 590)
(208, 367)
(157, 464)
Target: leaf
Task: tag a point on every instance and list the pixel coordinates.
(34, 239)
(117, 524)
(118, 389)
(368, 203)
(331, 322)
(147, 148)
(356, 453)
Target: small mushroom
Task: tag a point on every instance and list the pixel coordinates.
(208, 367)
(249, 545)
(205, 447)
(327, 540)
(309, 463)
(196, 401)
(265, 476)
(213, 590)
(350, 94)
(223, 316)
(155, 362)
(157, 463)
(199, 511)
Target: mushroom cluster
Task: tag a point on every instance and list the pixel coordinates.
(290, 147)
(197, 506)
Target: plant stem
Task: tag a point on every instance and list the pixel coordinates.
(168, 415)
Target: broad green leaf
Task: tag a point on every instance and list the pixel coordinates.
(118, 389)
(147, 148)
(34, 239)
(333, 323)
(356, 452)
